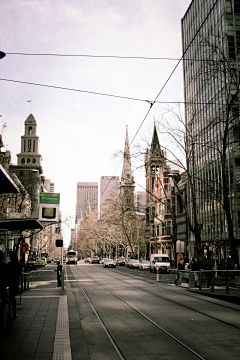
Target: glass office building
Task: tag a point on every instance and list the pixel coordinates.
(211, 61)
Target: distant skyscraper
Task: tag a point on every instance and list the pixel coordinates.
(86, 192)
(141, 201)
(109, 188)
(49, 185)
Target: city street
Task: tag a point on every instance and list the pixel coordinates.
(119, 313)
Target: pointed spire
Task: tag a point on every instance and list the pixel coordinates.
(155, 142)
(127, 177)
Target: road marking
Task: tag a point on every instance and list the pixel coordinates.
(62, 348)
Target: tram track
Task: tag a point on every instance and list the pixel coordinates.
(148, 319)
(188, 307)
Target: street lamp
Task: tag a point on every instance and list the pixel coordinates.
(2, 54)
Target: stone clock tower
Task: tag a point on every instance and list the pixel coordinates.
(28, 168)
(29, 155)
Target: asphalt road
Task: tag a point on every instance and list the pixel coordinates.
(124, 313)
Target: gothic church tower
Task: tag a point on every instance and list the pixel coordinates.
(127, 184)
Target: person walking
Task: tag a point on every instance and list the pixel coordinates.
(3, 293)
(195, 268)
(14, 271)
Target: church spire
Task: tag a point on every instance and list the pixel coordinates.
(155, 146)
(127, 178)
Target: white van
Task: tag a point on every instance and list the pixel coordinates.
(161, 261)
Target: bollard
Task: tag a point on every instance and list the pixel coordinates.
(212, 288)
(227, 283)
(200, 280)
(59, 275)
(157, 271)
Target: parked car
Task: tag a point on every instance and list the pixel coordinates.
(144, 265)
(109, 263)
(88, 260)
(121, 261)
(102, 261)
(45, 260)
(161, 261)
(31, 265)
(128, 263)
(40, 262)
(49, 260)
(95, 260)
(56, 260)
(134, 264)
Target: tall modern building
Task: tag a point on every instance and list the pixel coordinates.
(86, 192)
(211, 52)
(109, 189)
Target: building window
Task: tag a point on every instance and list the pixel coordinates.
(23, 161)
(169, 227)
(24, 146)
(33, 145)
(34, 160)
(30, 130)
(29, 145)
(180, 204)
(28, 161)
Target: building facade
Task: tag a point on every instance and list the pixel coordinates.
(160, 200)
(86, 192)
(211, 48)
(109, 189)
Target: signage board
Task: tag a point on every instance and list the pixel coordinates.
(49, 207)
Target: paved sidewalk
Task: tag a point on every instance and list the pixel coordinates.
(40, 327)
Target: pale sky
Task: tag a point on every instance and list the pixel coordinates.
(79, 132)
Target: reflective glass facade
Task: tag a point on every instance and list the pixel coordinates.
(211, 58)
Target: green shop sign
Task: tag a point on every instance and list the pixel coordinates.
(49, 198)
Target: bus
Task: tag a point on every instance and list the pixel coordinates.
(71, 257)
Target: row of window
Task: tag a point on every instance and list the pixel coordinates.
(23, 161)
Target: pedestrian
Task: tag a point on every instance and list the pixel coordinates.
(180, 267)
(14, 271)
(195, 268)
(3, 292)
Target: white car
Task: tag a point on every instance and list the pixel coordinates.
(45, 260)
(109, 263)
(144, 265)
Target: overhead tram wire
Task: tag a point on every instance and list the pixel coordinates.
(113, 57)
(105, 94)
(151, 105)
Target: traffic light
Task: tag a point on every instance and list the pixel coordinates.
(59, 243)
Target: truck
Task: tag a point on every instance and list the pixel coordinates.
(161, 261)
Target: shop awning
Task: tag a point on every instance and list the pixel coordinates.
(20, 224)
(7, 185)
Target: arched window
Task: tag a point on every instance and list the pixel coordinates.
(34, 160)
(23, 161)
(28, 161)
(30, 130)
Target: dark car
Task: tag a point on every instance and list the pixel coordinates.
(31, 265)
(121, 261)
